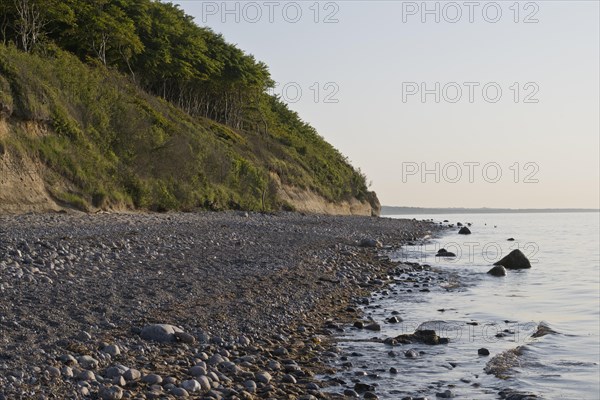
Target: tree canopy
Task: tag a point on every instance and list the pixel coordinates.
(156, 43)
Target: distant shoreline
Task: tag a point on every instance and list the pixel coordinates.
(393, 210)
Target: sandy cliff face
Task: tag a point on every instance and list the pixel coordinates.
(22, 188)
(310, 202)
(306, 201)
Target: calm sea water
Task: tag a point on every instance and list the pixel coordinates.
(561, 291)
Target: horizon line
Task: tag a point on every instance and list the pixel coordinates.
(433, 210)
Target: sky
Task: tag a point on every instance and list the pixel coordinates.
(440, 104)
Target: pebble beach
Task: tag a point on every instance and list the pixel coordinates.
(186, 305)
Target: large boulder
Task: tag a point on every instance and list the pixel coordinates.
(464, 231)
(497, 270)
(514, 260)
(162, 333)
(425, 336)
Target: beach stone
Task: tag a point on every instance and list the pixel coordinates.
(274, 365)
(119, 380)
(373, 327)
(83, 336)
(250, 386)
(411, 353)
(464, 231)
(426, 336)
(244, 341)
(497, 270)
(184, 337)
(514, 260)
(111, 393)
(351, 393)
(197, 370)
(229, 367)
(264, 377)
(510, 394)
(53, 372)
(445, 253)
(87, 376)
(170, 380)
(369, 242)
(152, 379)
(204, 382)
(393, 370)
(281, 351)
(87, 362)
(66, 371)
(483, 352)
(112, 349)
(191, 385)
(161, 333)
(363, 387)
(179, 392)
(154, 394)
(213, 376)
(132, 375)
(542, 330)
(218, 395)
(114, 371)
(447, 394)
(216, 359)
(370, 395)
(287, 378)
(68, 359)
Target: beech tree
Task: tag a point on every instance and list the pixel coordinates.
(29, 23)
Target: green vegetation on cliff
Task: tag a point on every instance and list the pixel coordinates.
(129, 103)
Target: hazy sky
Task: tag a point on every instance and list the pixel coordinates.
(501, 113)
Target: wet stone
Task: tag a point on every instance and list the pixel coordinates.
(411, 353)
(447, 394)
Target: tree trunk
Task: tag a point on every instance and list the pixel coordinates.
(29, 25)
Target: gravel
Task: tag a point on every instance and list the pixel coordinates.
(220, 305)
